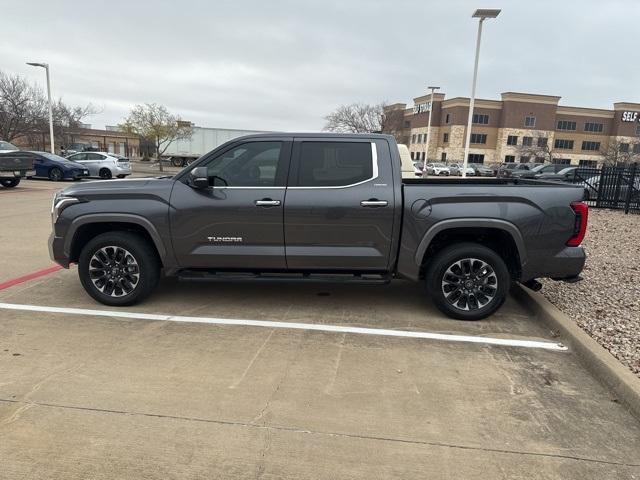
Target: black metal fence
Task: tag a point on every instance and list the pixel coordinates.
(615, 187)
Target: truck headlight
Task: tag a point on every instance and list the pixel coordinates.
(60, 202)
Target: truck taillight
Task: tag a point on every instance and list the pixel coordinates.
(581, 211)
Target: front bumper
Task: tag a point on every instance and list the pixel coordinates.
(56, 250)
(77, 174)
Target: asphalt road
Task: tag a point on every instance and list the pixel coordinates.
(84, 395)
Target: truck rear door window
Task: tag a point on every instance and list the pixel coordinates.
(335, 164)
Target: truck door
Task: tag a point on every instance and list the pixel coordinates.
(339, 209)
(237, 223)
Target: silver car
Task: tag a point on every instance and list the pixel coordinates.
(102, 164)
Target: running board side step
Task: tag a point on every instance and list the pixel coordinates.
(207, 276)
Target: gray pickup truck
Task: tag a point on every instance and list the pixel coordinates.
(13, 165)
(319, 207)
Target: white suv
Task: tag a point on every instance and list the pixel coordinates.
(102, 164)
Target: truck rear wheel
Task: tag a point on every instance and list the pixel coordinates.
(9, 182)
(178, 161)
(468, 281)
(118, 268)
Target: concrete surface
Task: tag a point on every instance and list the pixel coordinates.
(103, 398)
(621, 381)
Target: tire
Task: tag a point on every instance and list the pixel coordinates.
(101, 251)
(9, 182)
(178, 162)
(490, 291)
(105, 174)
(55, 174)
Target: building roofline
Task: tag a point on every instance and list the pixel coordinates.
(464, 102)
(584, 111)
(626, 106)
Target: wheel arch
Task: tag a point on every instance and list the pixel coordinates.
(82, 229)
(499, 235)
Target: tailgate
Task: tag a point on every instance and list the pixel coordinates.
(15, 161)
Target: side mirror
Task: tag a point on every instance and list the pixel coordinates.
(198, 178)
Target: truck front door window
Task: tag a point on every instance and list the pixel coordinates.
(253, 164)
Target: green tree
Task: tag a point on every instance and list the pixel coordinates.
(156, 124)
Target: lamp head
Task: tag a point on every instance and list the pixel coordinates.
(486, 13)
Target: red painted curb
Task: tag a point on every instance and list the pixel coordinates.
(29, 276)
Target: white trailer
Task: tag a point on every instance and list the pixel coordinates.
(202, 140)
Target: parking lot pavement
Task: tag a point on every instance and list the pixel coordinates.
(88, 396)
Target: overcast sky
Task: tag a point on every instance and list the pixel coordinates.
(283, 65)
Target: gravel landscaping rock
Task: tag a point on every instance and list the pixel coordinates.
(606, 304)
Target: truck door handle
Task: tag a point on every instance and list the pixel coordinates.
(267, 202)
(374, 203)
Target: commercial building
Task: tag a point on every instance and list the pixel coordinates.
(520, 127)
(111, 140)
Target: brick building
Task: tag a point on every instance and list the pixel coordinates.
(109, 140)
(521, 127)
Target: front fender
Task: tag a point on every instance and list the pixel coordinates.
(115, 217)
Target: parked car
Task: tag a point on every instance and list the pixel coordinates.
(418, 169)
(102, 164)
(481, 170)
(612, 188)
(456, 169)
(77, 147)
(562, 175)
(515, 169)
(539, 169)
(332, 208)
(494, 167)
(438, 169)
(56, 168)
(7, 147)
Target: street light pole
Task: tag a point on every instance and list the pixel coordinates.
(482, 14)
(46, 67)
(426, 155)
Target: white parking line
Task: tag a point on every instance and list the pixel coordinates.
(290, 325)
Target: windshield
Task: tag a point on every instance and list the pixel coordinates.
(52, 156)
(438, 165)
(7, 146)
(538, 168)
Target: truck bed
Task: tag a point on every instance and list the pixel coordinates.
(484, 181)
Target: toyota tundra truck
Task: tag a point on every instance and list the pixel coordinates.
(323, 208)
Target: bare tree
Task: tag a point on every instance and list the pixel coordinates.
(156, 124)
(24, 112)
(355, 118)
(618, 152)
(393, 124)
(22, 105)
(539, 150)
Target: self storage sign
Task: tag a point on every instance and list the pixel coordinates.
(630, 117)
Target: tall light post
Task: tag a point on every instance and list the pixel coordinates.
(482, 14)
(426, 155)
(46, 67)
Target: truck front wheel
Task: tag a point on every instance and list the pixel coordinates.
(9, 182)
(468, 281)
(118, 268)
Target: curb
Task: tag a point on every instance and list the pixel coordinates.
(599, 362)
